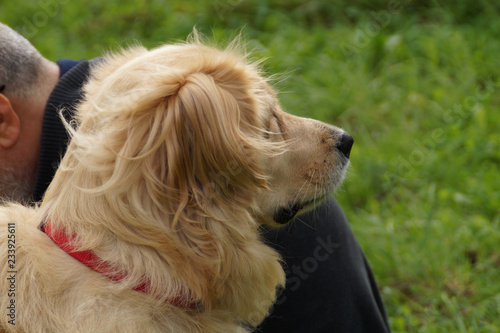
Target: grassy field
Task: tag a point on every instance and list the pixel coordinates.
(417, 84)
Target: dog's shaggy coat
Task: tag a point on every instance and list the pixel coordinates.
(181, 153)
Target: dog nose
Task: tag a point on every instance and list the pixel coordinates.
(344, 144)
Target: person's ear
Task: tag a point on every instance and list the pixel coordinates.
(10, 125)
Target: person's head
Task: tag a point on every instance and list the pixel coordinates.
(27, 79)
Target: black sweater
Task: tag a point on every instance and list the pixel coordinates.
(65, 96)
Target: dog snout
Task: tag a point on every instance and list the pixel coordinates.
(344, 144)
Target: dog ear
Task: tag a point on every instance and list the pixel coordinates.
(214, 128)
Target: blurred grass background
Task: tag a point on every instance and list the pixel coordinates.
(417, 85)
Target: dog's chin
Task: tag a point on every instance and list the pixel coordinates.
(285, 214)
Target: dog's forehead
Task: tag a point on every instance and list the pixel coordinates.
(180, 53)
(198, 57)
(168, 49)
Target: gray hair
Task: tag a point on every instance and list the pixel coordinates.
(21, 65)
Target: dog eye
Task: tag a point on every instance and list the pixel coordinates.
(271, 123)
(274, 127)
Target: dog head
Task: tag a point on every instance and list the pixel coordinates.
(184, 131)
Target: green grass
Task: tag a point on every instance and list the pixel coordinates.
(418, 88)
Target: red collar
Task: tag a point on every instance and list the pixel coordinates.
(91, 260)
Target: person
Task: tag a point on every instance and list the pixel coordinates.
(330, 286)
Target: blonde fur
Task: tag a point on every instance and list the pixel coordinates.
(164, 179)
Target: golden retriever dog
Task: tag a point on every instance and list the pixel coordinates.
(151, 223)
